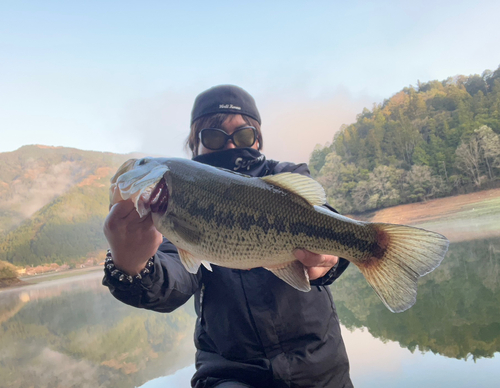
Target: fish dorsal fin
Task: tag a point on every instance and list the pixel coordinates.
(299, 184)
(189, 261)
(293, 273)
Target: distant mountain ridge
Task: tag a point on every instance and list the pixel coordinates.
(53, 201)
(438, 139)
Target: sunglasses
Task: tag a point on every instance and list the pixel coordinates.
(216, 139)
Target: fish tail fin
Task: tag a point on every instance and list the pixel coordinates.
(405, 254)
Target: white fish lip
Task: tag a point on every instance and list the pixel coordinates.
(140, 184)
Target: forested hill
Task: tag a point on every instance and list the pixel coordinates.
(436, 139)
(53, 201)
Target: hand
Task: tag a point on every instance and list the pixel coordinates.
(317, 265)
(132, 240)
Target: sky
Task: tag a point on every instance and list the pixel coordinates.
(121, 76)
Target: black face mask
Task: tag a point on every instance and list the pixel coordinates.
(248, 161)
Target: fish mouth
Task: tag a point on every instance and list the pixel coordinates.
(143, 182)
(158, 202)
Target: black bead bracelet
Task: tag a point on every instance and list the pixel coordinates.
(123, 277)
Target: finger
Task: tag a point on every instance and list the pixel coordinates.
(317, 272)
(147, 219)
(134, 216)
(329, 260)
(122, 209)
(309, 259)
(115, 195)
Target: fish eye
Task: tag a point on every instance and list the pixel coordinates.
(142, 161)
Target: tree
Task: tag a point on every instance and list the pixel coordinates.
(7, 270)
(468, 159)
(489, 142)
(474, 84)
(384, 182)
(408, 138)
(329, 175)
(361, 195)
(422, 185)
(317, 159)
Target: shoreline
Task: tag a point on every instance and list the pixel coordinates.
(462, 217)
(481, 210)
(26, 281)
(418, 212)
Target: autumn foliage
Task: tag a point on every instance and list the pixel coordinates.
(435, 139)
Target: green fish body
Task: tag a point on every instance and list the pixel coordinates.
(217, 216)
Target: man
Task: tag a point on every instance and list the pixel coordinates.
(253, 329)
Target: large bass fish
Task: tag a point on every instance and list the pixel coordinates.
(217, 216)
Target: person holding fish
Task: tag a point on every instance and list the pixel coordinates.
(266, 317)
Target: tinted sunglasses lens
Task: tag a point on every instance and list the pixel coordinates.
(213, 139)
(244, 137)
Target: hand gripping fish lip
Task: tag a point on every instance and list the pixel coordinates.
(143, 182)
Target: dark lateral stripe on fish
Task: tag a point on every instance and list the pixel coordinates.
(245, 221)
(347, 239)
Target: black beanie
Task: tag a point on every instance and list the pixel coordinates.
(224, 99)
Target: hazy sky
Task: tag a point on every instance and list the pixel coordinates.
(121, 76)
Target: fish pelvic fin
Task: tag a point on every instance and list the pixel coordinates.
(189, 261)
(299, 184)
(406, 253)
(207, 265)
(294, 273)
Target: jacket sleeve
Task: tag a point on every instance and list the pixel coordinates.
(165, 288)
(342, 264)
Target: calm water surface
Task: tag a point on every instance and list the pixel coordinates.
(72, 333)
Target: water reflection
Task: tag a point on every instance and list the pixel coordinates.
(377, 364)
(73, 333)
(181, 378)
(457, 313)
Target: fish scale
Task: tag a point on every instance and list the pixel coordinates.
(221, 217)
(299, 224)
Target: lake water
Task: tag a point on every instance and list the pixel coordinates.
(72, 333)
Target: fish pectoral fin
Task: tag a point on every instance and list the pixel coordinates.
(293, 273)
(299, 184)
(189, 261)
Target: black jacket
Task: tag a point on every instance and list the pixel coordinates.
(252, 327)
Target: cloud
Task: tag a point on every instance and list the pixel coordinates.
(293, 125)
(38, 185)
(45, 369)
(293, 121)
(158, 125)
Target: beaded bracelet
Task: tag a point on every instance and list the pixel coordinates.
(123, 277)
